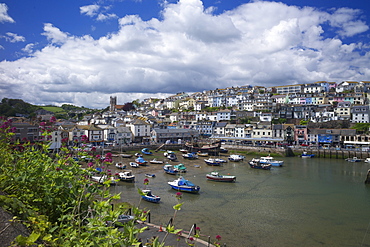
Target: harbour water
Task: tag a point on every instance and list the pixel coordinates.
(307, 202)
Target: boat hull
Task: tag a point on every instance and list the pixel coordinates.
(222, 179)
(192, 189)
(155, 199)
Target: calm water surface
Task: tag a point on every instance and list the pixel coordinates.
(308, 202)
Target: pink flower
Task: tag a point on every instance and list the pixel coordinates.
(90, 164)
(58, 169)
(146, 181)
(218, 237)
(197, 228)
(191, 239)
(108, 155)
(178, 195)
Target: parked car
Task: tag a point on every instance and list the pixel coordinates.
(122, 219)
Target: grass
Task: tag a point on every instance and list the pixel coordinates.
(54, 109)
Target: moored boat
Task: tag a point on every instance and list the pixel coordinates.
(120, 165)
(146, 151)
(212, 162)
(102, 178)
(353, 159)
(134, 164)
(184, 185)
(169, 169)
(155, 161)
(180, 167)
(148, 196)
(216, 176)
(171, 156)
(148, 175)
(305, 155)
(236, 157)
(140, 161)
(202, 154)
(256, 164)
(126, 155)
(190, 156)
(270, 160)
(126, 176)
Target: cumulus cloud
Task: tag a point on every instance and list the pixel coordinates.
(191, 49)
(4, 17)
(54, 35)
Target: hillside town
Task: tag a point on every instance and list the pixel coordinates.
(244, 115)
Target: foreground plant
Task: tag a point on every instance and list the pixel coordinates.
(54, 197)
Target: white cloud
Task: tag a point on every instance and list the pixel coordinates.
(54, 35)
(13, 38)
(190, 49)
(97, 11)
(90, 10)
(4, 17)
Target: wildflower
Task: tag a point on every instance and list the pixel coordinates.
(218, 237)
(90, 164)
(108, 155)
(197, 228)
(58, 169)
(146, 181)
(178, 195)
(53, 119)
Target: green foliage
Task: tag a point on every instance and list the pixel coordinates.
(303, 122)
(362, 128)
(12, 107)
(56, 200)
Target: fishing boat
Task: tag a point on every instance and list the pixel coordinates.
(146, 151)
(134, 164)
(169, 169)
(256, 164)
(212, 162)
(305, 155)
(148, 196)
(155, 161)
(367, 160)
(180, 167)
(212, 148)
(184, 185)
(183, 150)
(236, 157)
(148, 175)
(216, 176)
(190, 156)
(271, 160)
(138, 155)
(126, 176)
(141, 162)
(120, 165)
(353, 159)
(223, 150)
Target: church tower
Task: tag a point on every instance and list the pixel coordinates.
(113, 103)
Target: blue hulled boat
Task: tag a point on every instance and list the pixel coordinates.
(170, 170)
(184, 185)
(148, 196)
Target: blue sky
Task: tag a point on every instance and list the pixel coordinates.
(82, 52)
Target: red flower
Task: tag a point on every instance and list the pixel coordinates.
(218, 237)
